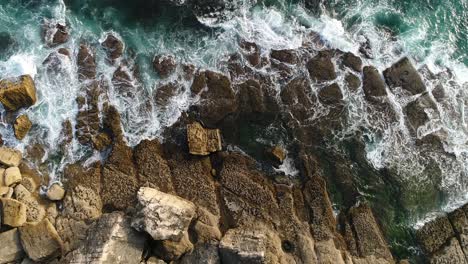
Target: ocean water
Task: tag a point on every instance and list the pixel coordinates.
(433, 33)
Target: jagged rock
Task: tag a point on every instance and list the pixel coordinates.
(459, 221)
(295, 95)
(110, 240)
(82, 203)
(353, 82)
(327, 253)
(286, 56)
(416, 111)
(352, 61)
(164, 65)
(450, 253)
(112, 123)
(17, 93)
(321, 67)
(35, 211)
(86, 176)
(55, 34)
(217, 100)
(373, 84)
(251, 97)
(13, 212)
(277, 154)
(163, 216)
(10, 157)
(101, 141)
(152, 168)
(202, 254)
(331, 95)
(251, 52)
(439, 93)
(435, 234)
(114, 47)
(87, 119)
(40, 240)
(251, 245)
(71, 231)
(203, 141)
(403, 74)
(55, 192)
(22, 126)
(29, 183)
(369, 238)
(11, 249)
(164, 93)
(86, 63)
(12, 176)
(171, 250)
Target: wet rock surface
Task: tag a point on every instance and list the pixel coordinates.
(18, 93)
(403, 74)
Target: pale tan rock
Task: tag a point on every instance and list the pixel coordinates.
(10, 157)
(28, 183)
(82, 203)
(18, 93)
(163, 216)
(2, 178)
(12, 176)
(72, 232)
(171, 250)
(4, 191)
(52, 213)
(10, 247)
(40, 240)
(278, 154)
(35, 211)
(22, 126)
(154, 260)
(203, 141)
(55, 192)
(327, 253)
(13, 212)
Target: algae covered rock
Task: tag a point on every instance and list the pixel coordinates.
(22, 126)
(17, 93)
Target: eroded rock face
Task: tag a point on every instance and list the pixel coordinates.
(435, 233)
(86, 63)
(164, 65)
(114, 47)
(451, 253)
(41, 241)
(110, 240)
(82, 203)
(35, 211)
(202, 254)
(321, 67)
(13, 212)
(203, 141)
(10, 157)
(162, 215)
(22, 126)
(17, 93)
(11, 249)
(373, 84)
(403, 74)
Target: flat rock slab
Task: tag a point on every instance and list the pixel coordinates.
(163, 216)
(403, 74)
(203, 141)
(13, 212)
(10, 249)
(10, 157)
(40, 240)
(110, 240)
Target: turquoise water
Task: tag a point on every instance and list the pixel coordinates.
(431, 33)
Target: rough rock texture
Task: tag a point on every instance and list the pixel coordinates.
(55, 192)
(35, 211)
(459, 221)
(22, 126)
(171, 250)
(87, 119)
(164, 65)
(110, 240)
(71, 231)
(203, 141)
(435, 233)
(202, 254)
(114, 47)
(55, 34)
(17, 93)
(13, 212)
(163, 216)
(40, 240)
(416, 113)
(353, 82)
(86, 63)
(277, 154)
(82, 203)
(352, 61)
(10, 249)
(321, 67)
(451, 253)
(331, 95)
(403, 74)
(373, 84)
(12, 176)
(286, 56)
(10, 157)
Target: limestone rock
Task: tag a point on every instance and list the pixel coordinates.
(171, 250)
(321, 67)
(82, 203)
(10, 157)
(327, 253)
(22, 126)
(459, 220)
(203, 141)
(403, 74)
(373, 84)
(154, 260)
(12, 176)
(202, 254)
(164, 65)
(162, 215)
(13, 212)
(17, 93)
(10, 249)
(114, 47)
(55, 192)
(110, 240)
(451, 253)
(40, 240)
(4, 190)
(71, 231)
(35, 211)
(435, 234)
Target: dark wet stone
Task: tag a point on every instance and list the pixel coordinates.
(86, 63)
(164, 93)
(6, 43)
(435, 234)
(331, 95)
(65, 52)
(55, 34)
(366, 49)
(286, 56)
(373, 84)
(353, 82)
(164, 65)
(251, 52)
(352, 61)
(199, 82)
(416, 111)
(295, 95)
(251, 97)
(403, 74)
(439, 92)
(114, 47)
(321, 67)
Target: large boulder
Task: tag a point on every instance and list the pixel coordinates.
(35, 211)
(10, 157)
(331, 95)
(203, 141)
(450, 253)
(435, 234)
(114, 47)
(352, 61)
(82, 203)
(17, 93)
(13, 212)
(110, 240)
(163, 216)
(12, 176)
(11, 249)
(373, 84)
(22, 126)
(286, 56)
(40, 240)
(164, 65)
(321, 67)
(86, 63)
(403, 74)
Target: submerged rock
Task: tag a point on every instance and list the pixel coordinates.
(203, 141)
(353, 82)
(373, 84)
(41, 241)
(416, 111)
(22, 126)
(10, 249)
(17, 93)
(162, 215)
(403, 74)
(164, 65)
(352, 61)
(331, 95)
(55, 34)
(114, 47)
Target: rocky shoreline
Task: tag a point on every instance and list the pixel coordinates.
(193, 198)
